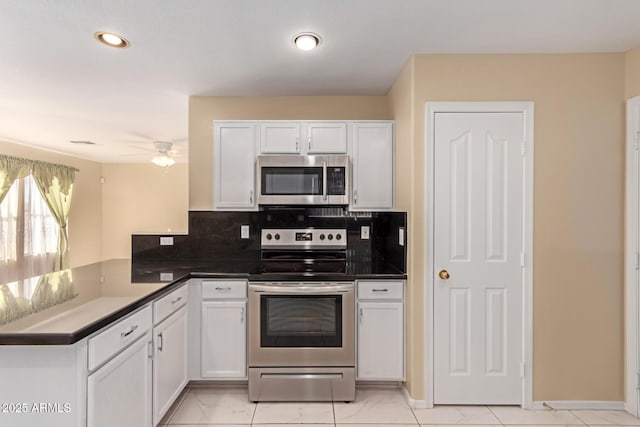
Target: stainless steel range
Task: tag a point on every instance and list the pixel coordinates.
(302, 332)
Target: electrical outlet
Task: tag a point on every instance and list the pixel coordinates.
(364, 232)
(244, 231)
(401, 236)
(166, 241)
(166, 277)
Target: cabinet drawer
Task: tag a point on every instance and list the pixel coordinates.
(118, 336)
(381, 289)
(224, 289)
(168, 304)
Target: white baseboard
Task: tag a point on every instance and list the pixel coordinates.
(609, 405)
(413, 403)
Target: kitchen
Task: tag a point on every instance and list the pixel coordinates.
(570, 254)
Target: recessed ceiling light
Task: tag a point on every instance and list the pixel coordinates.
(306, 41)
(111, 39)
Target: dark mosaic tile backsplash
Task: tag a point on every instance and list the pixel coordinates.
(214, 242)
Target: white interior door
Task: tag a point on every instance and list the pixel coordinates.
(632, 257)
(478, 243)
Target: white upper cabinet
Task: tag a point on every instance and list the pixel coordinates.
(371, 150)
(369, 144)
(326, 138)
(234, 158)
(279, 138)
(303, 138)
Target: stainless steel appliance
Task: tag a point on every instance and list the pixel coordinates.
(302, 333)
(303, 180)
(303, 250)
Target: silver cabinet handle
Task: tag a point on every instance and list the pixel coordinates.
(297, 144)
(150, 349)
(160, 342)
(379, 290)
(324, 180)
(177, 300)
(129, 332)
(355, 197)
(309, 146)
(251, 196)
(225, 289)
(242, 315)
(361, 313)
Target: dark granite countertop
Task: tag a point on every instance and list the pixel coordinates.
(63, 307)
(66, 306)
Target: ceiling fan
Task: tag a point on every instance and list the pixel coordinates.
(163, 156)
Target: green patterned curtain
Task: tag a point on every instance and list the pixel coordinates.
(55, 183)
(11, 168)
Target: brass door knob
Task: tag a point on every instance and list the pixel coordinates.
(444, 274)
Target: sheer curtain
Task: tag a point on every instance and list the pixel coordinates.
(28, 233)
(35, 198)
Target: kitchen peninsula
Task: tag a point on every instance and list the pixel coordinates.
(86, 346)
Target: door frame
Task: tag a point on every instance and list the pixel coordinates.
(526, 108)
(631, 257)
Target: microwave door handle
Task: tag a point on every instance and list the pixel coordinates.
(324, 180)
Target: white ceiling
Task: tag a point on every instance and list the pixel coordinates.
(58, 84)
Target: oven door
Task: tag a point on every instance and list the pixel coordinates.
(301, 324)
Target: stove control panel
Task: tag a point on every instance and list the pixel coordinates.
(304, 238)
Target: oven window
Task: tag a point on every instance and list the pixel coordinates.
(300, 321)
(291, 181)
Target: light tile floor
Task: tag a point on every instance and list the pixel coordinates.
(208, 406)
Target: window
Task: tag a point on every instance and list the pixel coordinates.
(28, 233)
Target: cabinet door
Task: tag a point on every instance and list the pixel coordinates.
(279, 138)
(326, 138)
(372, 157)
(224, 339)
(119, 393)
(234, 166)
(169, 362)
(380, 341)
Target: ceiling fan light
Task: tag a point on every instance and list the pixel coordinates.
(163, 160)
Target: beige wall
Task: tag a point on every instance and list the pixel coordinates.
(85, 216)
(139, 199)
(632, 73)
(401, 102)
(135, 198)
(578, 180)
(204, 110)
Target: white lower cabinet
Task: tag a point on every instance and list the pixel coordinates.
(381, 331)
(224, 329)
(119, 393)
(224, 339)
(169, 362)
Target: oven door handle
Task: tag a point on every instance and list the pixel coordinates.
(303, 376)
(270, 289)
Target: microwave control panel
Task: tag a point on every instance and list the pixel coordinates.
(336, 181)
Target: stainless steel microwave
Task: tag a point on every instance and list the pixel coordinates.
(303, 180)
